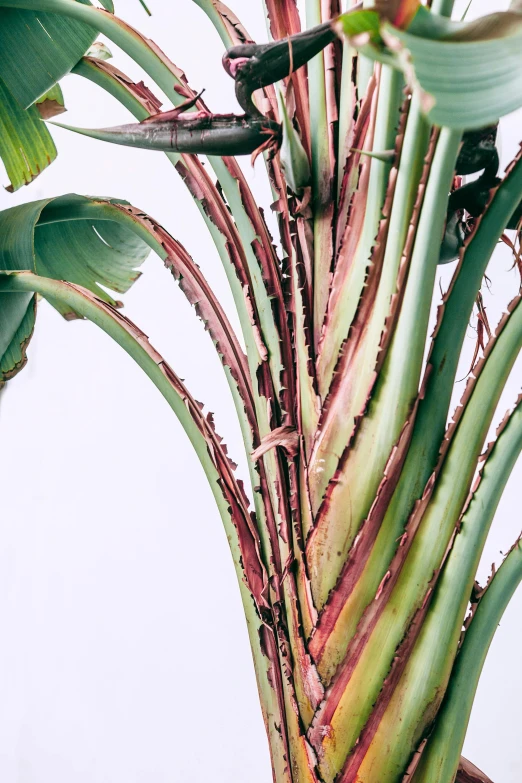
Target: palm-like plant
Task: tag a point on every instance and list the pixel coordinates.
(357, 565)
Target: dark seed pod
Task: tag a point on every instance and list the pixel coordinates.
(199, 134)
(473, 197)
(453, 238)
(253, 66)
(478, 150)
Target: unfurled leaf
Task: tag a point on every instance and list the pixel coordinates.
(71, 244)
(62, 239)
(26, 146)
(468, 74)
(464, 82)
(38, 49)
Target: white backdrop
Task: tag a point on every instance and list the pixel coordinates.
(124, 655)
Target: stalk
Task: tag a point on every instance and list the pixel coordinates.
(355, 571)
(416, 567)
(321, 176)
(391, 622)
(88, 306)
(394, 396)
(419, 693)
(440, 759)
(347, 284)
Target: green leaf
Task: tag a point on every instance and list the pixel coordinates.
(426, 24)
(84, 250)
(108, 5)
(14, 357)
(38, 49)
(26, 146)
(468, 74)
(62, 239)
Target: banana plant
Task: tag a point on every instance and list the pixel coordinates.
(357, 543)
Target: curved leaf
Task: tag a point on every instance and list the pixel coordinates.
(468, 74)
(17, 311)
(463, 84)
(52, 238)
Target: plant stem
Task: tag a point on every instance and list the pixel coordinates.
(441, 757)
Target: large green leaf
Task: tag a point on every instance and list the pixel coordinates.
(38, 49)
(72, 245)
(60, 238)
(26, 146)
(464, 84)
(468, 74)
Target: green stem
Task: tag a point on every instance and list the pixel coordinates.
(428, 534)
(365, 65)
(440, 759)
(430, 666)
(321, 175)
(106, 81)
(404, 362)
(346, 110)
(364, 459)
(208, 7)
(431, 417)
(158, 67)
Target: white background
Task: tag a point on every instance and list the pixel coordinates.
(124, 656)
